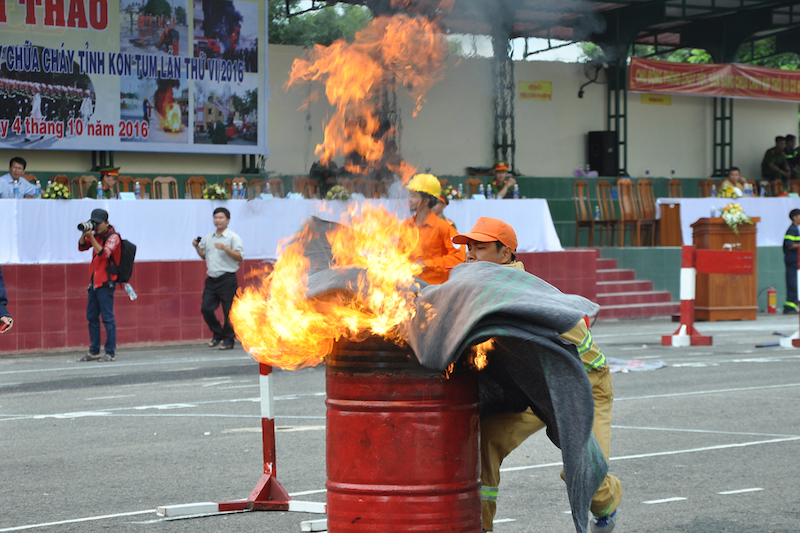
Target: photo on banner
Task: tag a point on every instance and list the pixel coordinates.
(137, 75)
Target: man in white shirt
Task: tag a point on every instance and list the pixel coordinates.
(16, 167)
(223, 251)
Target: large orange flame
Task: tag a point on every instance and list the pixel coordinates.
(279, 326)
(400, 49)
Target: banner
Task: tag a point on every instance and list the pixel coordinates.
(725, 80)
(136, 75)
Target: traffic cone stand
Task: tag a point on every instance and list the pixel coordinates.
(269, 494)
(686, 335)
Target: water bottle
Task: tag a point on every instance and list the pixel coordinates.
(461, 190)
(38, 193)
(16, 189)
(597, 212)
(99, 190)
(489, 192)
(266, 190)
(480, 189)
(137, 191)
(713, 211)
(241, 191)
(516, 192)
(129, 289)
(647, 173)
(713, 191)
(49, 184)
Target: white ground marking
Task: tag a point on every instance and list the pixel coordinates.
(740, 491)
(704, 431)
(256, 385)
(501, 520)
(291, 429)
(118, 364)
(307, 492)
(109, 397)
(665, 500)
(76, 520)
(717, 391)
(242, 430)
(215, 383)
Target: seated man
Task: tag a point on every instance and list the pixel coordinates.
(774, 165)
(502, 186)
(435, 250)
(108, 177)
(495, 241)
(16, 167)
(733, 186)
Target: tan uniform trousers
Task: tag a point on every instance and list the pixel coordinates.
(501, 434)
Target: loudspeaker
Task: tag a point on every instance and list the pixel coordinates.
(603, 152)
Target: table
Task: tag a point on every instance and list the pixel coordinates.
(773, 212)
(44, 231)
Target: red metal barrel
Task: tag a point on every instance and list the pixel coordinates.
(402, 443)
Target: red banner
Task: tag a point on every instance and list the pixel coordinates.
(725, 80)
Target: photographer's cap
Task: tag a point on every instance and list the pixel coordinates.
(489, 230)
(99, 215)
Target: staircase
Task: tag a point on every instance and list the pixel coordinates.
(622, 296)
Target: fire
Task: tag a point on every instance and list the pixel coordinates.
(480, 352)
(279, 326)
(167, 107)
(400, 49)
(171, 121)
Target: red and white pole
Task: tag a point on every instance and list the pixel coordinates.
(686, 335)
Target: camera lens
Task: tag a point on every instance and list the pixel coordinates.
(85, 226)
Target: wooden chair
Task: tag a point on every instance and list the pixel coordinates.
(227, 184)
(126, 183)
(369, 188)
(164, 188)
(195, 186)
(647, 208)
(60, 178)
(31, 177)
(472, 186)
(754, 186)
(255, 188)
(584, 218)
(704, 188)
(299, 184)
(794, 186)
(608, 216)
(81, 184)
(628, 213)
(347, 183)
(445, 183)
(775, 187)
(675, 189)
(145, 187)
(276, 187)
(312, 189)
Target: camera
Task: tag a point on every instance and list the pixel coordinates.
(86, 226)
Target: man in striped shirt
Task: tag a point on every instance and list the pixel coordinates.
(495, 241)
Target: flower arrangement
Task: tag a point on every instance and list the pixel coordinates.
(733, 215)
(729, 191)
(57, 191)
(337, 192)
(215, 192)
(453, 193)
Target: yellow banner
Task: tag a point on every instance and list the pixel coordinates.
(536, 90)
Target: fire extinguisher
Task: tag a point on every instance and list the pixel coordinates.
(772, 301)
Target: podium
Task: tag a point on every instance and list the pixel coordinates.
(726, 296)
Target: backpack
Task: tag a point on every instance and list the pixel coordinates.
(124, 269)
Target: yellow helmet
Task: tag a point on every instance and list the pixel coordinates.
(427, 183)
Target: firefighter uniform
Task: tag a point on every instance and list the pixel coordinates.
(501, 434)
(792, 237)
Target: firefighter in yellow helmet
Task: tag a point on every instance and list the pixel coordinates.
(435, 251)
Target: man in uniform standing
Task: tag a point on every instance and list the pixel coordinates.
(223, 251)
(774, 165)
(791, 243)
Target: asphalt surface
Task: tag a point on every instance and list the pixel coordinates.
(709, 444)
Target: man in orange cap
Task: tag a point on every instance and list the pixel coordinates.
(495, 241)
(502, 186)
(435, 250)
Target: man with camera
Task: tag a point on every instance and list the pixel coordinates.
(223, 251)
(99, 236)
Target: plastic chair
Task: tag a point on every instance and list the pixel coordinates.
(775, 187)
(675, 189)
(81, 184)
(647, 208)
(628, 213)
(195, 186)
(608, 216)
(584, 218)
(472, 186)
(276, 187)
(704, 188)
(164, 188)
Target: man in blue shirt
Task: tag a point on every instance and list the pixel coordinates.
(791, 243)
(16, 167)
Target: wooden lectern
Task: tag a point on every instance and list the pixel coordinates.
(726, 296)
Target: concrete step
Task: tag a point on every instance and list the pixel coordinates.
(646, 310)
(615, 274)
(638, 297)
(631, 285)
(606, 264)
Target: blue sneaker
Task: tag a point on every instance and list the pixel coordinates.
(604, 524)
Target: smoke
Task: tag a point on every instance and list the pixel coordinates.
(222, 22)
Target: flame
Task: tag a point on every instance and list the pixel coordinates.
(171, 121)
(167, 107)
(399, 49)
(480, 354)
(279, 326)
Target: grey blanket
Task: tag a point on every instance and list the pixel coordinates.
(530, 364)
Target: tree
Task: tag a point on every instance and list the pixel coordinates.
(157, 7)
(319, 27)
(180, 15)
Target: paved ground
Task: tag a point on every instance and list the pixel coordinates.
(709, 444)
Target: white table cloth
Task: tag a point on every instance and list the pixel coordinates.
(774, 214)
(44, 231)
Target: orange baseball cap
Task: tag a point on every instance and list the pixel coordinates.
(489, 230)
